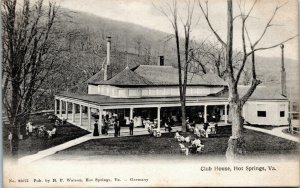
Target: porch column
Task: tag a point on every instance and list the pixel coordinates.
(131, 114)
(60, 108)
(89, 117)
(73, 112)
(80, 115)
(66, 109)
(100, 120)
(226, 116)
(205, 113)
(55, 106)
(158, 118)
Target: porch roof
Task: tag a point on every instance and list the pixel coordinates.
(102, 100)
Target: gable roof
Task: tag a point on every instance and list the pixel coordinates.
(125, 78)
(260, 93)
(168, 75)
(151, 75)
(96, 77)
(118, 62)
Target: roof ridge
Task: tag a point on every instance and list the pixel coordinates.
(157, 66)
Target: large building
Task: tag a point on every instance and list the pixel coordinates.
(140, 92)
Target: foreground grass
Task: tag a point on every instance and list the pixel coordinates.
(257, 144)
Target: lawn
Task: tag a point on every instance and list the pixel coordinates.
(31, 144)
(257, 144)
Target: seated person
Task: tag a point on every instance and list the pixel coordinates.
(189, 127)
(177, 135)
(197, 142)
(147, 123)
(57, 123)
(181, 139)
(193, 123)
(196, 146)
(205, 126)
(168, 127)
(197, 131)
(29, 128)
(63, 121)
(51, 133)
(187, 139)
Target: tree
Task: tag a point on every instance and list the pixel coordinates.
(207, 56)
(236, 143)
(171, 13)
(28, 57)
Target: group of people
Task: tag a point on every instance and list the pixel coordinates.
(40, 131)
(195, 145)
(116, 123)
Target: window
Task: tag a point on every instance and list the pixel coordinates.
(282, 113)
(261, 114)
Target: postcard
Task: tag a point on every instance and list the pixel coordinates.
(139, 93)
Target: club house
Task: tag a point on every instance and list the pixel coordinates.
(150, 92)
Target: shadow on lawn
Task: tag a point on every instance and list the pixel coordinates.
(258, 144)
(32, 144)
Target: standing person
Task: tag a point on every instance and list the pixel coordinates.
(96, 131)
(131, 127)
(119, 122)
(115, 127)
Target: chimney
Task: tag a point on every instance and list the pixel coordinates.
(161, 60)
(107, 70)
(283, 73)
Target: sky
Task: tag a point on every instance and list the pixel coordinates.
(142, 12)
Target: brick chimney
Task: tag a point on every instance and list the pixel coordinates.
(107, 69)
(283, 73)
(161, 61)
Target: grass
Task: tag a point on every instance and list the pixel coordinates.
(257, 144)
(32, 144)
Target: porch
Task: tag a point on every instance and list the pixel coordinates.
(84, 110)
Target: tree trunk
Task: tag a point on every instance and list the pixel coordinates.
(183, 116)
(14, 144)
(236, 143)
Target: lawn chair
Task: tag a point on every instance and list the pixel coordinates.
(156, 133)
(182, 148)
(200, 149)
(51, 133)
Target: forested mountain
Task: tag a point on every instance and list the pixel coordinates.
(84, 44)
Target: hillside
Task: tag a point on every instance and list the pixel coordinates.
(86, 43)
